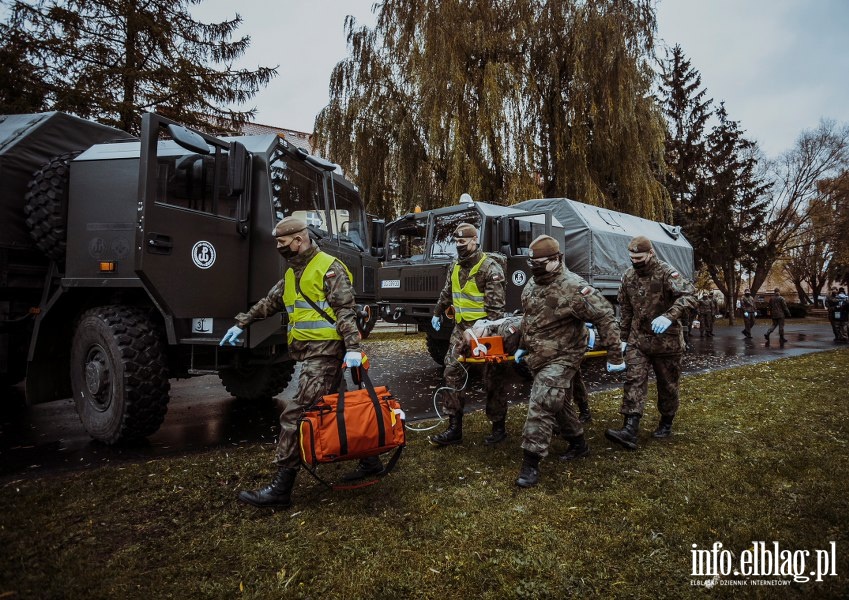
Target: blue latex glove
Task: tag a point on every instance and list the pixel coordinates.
(660, 324)
(591, 340)
(520, 354)
(615, 368)
(353, 359)
(623, 347)
(745, 314)
(232, 336)
(436, 323)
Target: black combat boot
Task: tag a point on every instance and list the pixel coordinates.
(499, 433)
(664, 428)
(578, 448)
(276, 495)
(529, 473)
(452, 435)
(627, 436)
(584, 414)
(368, 466)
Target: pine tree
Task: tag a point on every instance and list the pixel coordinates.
(506, 100)
(731, 200)
(111, 60)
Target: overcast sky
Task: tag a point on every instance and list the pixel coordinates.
(779, 65)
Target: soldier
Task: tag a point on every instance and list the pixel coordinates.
(750, 310)
(317, 294)
(652, 297)
(707, 312)
(475, 287)
(843, 307)
(835, 306)
(778, 311)
(556, 305)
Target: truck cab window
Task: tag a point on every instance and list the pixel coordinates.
(408, 240)
(297, 191)
(196, 182)
(443, 231)
(525, 231)
(347, 219)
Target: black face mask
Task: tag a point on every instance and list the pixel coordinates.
(287, 252)
(539, 269)
(641, 267)
(465, 251)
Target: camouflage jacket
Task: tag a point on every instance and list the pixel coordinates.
(489, 279)
(556, 308)
(708, 306)
(660, 291)
(340, 296)
(747, 304)
(778, 307)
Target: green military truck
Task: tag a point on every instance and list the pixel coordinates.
(420, 249)
(123, 260)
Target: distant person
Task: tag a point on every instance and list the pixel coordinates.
(750, 310)
(778, 311)
(836, 308)
(652, 298)
(707, 313)
(842, 315)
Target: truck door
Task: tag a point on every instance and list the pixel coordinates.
(192, 247)
(516, 234)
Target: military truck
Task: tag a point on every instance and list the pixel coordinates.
(420, 249)
(123, 260)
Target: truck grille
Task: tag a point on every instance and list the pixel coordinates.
(422, 284)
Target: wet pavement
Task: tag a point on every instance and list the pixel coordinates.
(49, 437)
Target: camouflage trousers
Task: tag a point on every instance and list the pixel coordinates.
(319, 377)
(706, 320)
(550, 402)
(667, 370)
(456, 377)
(748, 323)
(776, 323)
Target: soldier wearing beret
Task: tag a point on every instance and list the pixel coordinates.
(317, 293)
(476, 289)
(652, 298)
(778, 311)
(557, 304)
(750, 311)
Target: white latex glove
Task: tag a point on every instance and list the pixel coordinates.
(353, 359)
(622, 347)
(611, 368)
(660, 324)
(435, 323)
(232, 336)
(591, 340)
(520, 355)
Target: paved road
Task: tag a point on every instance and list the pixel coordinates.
(49, 437)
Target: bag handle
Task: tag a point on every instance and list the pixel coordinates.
(340, 411)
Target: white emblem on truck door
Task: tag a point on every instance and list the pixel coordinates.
(203, 255)
(519, 278)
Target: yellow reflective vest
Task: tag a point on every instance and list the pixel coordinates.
(468, 300)
(306, 323)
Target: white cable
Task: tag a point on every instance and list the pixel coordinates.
(435, 394)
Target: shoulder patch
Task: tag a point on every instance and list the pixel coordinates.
(330, 274)
(586, 291)
(674, 275)
(497, 277)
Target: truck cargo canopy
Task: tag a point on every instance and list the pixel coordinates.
(597, 240)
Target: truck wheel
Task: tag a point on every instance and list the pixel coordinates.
(46, 206)
(118, 373)
(255, 382)
(438, 349)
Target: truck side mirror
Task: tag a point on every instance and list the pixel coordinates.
(378, 238)
(188, 139)
(236, 173)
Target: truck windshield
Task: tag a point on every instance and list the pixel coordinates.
(406, 239)
(443, 231)
(297, 191)
(347, 219)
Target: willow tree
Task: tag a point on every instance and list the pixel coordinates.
(111, 60)
(504, 99)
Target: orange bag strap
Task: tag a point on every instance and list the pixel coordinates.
(340, 411)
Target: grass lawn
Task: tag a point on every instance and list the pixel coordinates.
(759, 453)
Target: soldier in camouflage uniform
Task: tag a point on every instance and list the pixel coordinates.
(556, 304)
(652, 297)
(778, 311)
(320, 346)
(750, 311)
(707, 312)
(476, 289)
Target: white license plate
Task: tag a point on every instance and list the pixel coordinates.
(390, 283)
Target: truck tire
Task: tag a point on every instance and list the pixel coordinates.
(46, 206)
(437, 348)
(119, 376)
(257, 382)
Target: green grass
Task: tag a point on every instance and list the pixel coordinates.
(759, 453)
